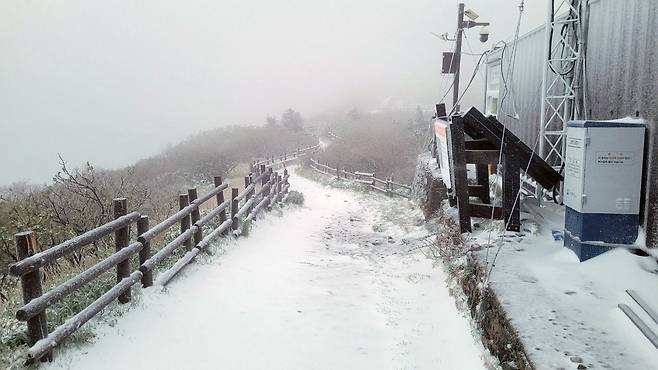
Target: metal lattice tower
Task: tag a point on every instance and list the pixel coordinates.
(562, 99)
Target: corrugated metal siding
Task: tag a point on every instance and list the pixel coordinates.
(525, 87)
(622, 78)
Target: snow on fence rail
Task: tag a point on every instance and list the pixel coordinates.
(387, 186)
(243, 206)
(284, 158)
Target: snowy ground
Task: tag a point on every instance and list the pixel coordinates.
(565, 311)
(332, 285)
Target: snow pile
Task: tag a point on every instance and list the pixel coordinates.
(336, 284)
(565, 311)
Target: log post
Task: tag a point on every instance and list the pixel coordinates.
(37, 326)
(263, 180)
(120, 208)
(234, 208)
(247, 182)
(460, 185)
(220, 199)
(184, 201)
(145, 252)
(389, 188)
(192, 195)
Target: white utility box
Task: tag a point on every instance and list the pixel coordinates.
(602, 181)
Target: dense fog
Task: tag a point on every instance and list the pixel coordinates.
(113, 82)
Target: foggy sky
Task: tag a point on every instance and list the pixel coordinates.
(113, 81)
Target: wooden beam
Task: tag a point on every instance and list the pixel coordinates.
(478, 126)
(484, 211)
(482, 156)
(479, 144)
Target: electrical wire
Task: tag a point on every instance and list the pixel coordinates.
(502, 140)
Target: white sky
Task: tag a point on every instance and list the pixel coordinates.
(113, 81)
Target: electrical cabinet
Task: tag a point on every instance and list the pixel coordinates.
(602, 181)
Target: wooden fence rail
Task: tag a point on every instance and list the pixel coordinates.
(368, 178)
(264, 188)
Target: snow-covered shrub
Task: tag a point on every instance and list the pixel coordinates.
(295, 197)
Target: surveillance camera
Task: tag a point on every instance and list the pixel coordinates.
(471, 14)
(484, 34)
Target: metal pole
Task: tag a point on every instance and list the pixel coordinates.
(458, 57)
(542, 124)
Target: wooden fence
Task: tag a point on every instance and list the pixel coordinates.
(387, 186)
(264, 188)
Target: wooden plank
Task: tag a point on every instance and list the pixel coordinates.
(460, 184)
(484, 211)
(479, 144)
(121, 236)
(482, 156)
(37, 326)
(35, 261)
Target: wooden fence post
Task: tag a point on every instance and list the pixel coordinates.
(192, 195)
(234, 208)
(184, 201)
(389, 188)
(338, 172)
(145, 253)
(263, 180)
(37, 326)
(247, 182)
(121, 236)
(220, 199)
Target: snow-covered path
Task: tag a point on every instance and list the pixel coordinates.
(331, 285)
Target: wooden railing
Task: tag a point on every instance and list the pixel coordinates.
(386, 186)
(264, 188)
(285, 158)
